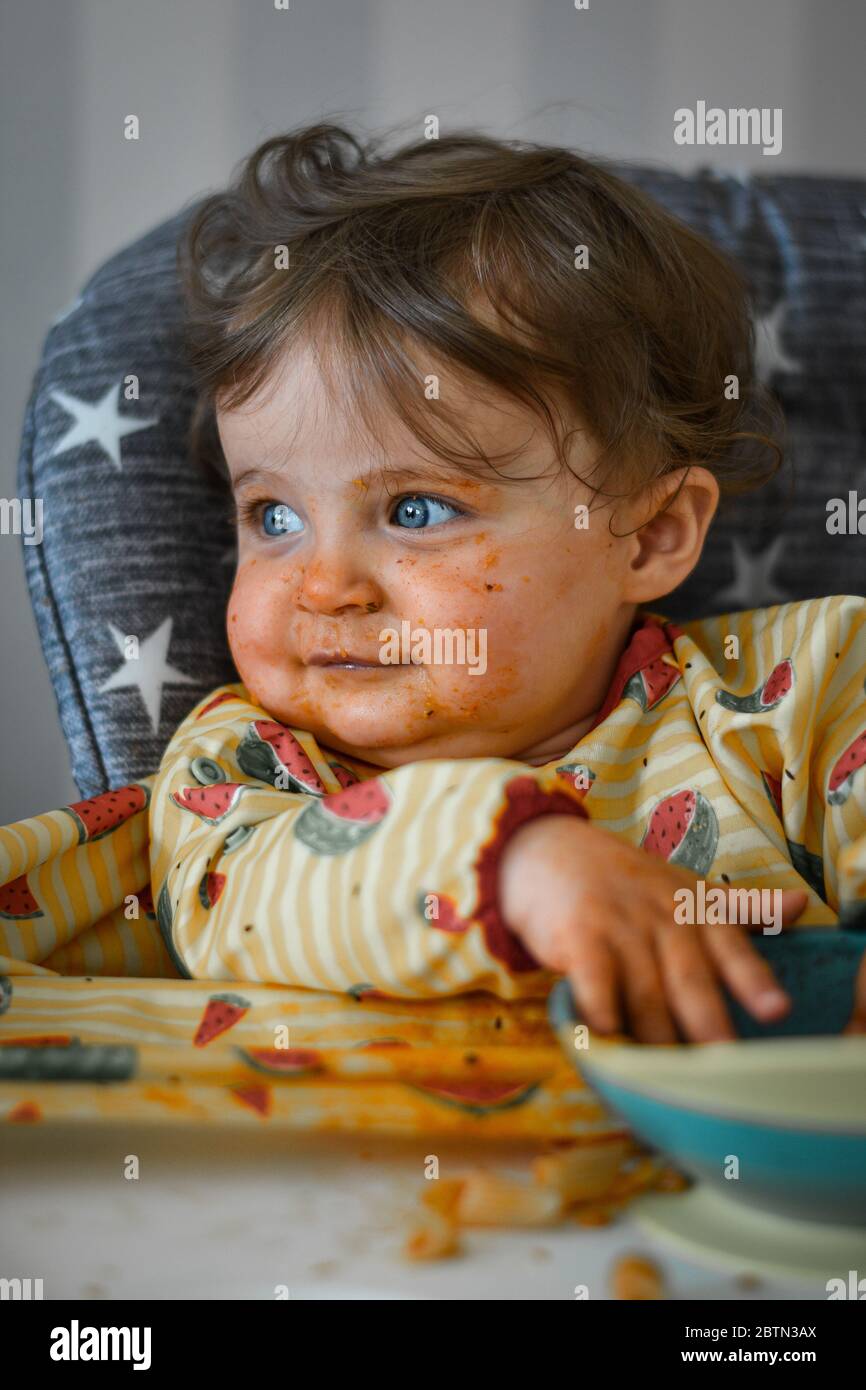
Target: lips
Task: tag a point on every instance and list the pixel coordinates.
(342, 658)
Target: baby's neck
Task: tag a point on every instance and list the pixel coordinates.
(557, 746)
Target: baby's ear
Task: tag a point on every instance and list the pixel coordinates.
(667, 544)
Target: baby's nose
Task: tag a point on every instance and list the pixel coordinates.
(336, 586)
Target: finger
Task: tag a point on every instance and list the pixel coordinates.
(593, 975)
(746, 973)
(691, 987)
(792, 903)
(857, 1021)
(648, 1013)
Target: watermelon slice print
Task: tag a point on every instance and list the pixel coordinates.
(210, 889)
(237, 837)
(852, 914)
(258, 1098)
(650, 685)
(447, 918)
(206, 772)
(166, 925)
(842, 775)
(773, 788)
(99, 815)
(343, 820)
(283, 1061)
(212, 704)
(211, 804)
(809, 866)
(684, 830)
(579, 775)
(766, 697)
(73, 1061)
(271, 753)
(221, 1013)
(479, 1097)
(17, 903)
(365, 991)
(343, 775)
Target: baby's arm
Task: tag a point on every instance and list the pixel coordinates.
(391, 883)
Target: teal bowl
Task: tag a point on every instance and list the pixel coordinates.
(775, 1119)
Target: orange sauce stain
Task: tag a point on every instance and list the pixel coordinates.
(171, 1099)
(38, 1040)
(25, 1113)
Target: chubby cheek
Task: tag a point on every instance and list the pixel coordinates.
(539, 607)
(485, 599)
(258, 627)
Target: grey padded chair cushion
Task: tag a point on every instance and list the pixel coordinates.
(141, 549)
(137, 541)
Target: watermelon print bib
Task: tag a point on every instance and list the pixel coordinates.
(733, 746)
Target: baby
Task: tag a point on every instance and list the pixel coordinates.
(474, 404)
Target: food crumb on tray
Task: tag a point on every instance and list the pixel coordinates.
(585, 1183)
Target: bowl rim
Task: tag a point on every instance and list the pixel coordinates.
(658, 1071)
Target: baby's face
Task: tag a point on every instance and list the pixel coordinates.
(343, 542)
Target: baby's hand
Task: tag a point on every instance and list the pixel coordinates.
(601, 911)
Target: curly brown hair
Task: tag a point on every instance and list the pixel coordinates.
(394, 260)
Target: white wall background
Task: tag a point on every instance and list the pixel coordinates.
(209, 79)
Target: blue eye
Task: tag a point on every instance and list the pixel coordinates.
(418, 513)
(280, 520)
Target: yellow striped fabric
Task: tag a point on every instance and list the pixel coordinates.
(734, 745)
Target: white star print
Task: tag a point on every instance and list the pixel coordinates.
(770, 356)
(100, 422)
(149, 672)
(753, 585)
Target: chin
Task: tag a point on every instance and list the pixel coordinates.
(363, 733)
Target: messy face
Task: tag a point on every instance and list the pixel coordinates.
(400, 609)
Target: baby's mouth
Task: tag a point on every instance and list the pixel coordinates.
(343, 660)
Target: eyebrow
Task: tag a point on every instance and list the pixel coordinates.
(260, 473)
(405, 473)
(388, 473)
